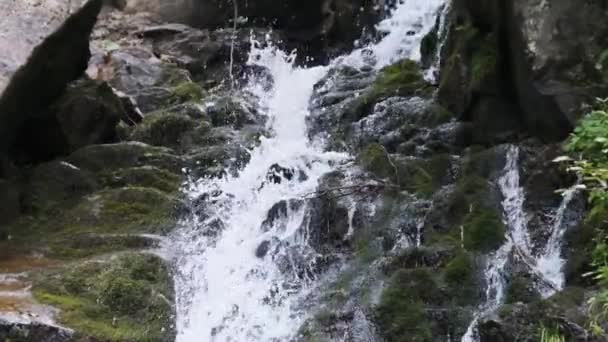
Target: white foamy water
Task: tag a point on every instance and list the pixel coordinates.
(547, 266)
(224, 292)
(516, 238)
(550, 262)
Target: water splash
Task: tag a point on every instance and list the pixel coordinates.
(516, 237)
(224, 292)
(550, 262)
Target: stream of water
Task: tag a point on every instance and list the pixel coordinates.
(546, 266)
(226, 293)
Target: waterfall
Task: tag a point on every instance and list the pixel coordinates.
(516, 237)
(547, 266)
(550, 262)
(224, 292)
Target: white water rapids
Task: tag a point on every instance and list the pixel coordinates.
(224, 292)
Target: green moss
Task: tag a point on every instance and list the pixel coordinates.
(163, 129)
(483, 230)
(460, 270)
(144, 176)
(399, 79)
(375, 159)
(127, 299)
(484, 60)
(401, 314)
(424, 177)
(124, 210)
(187, 91)
(460, 278)
(111, 157)
(429, 44)
(86, 245)
(519, 290)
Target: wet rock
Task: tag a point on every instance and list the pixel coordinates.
(99, 158)
(56, 182)
(60, 59)
(163, 129)
(34, 332)
(316, 28)
(262, 249)
(152, 83)
(328, 222)
(232, 111)
(10, 194)
(207, 54)
(280, 211)
(344, 105)
(528, 54)
(563, 312)
(119, 296)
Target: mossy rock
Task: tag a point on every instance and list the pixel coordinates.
(401, 314)
(403, 78)
(429, 45)
(424, 176)
(55, 183)
(400, 79)
(484, 61)
(187, 91)
(85, 245)
(520, 289)
(102, 158)
(144, 176)
(461, 278)
(163, 129)
(469, 210)
(483, 230)
(123, 299)
(376, 160)
(124, 210)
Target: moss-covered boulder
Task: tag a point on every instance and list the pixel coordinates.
(163, 129)
(126, 298)
(124, 210)
(100, 158)
(55, 183)
(376, 160)
(563, 313)
(403, 78)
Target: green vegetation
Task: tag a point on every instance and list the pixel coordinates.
(375, 159)
(163, 129)
(589, 143)
(128, 299)
(484, 60)
(401, 315)
(483, 229)
(551, 335)
(402, 78)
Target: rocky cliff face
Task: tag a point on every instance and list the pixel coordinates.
(109, 118)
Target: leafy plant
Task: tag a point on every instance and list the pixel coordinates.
(589, 147)
(550, 335)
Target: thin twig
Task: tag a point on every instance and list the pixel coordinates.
(234, 28)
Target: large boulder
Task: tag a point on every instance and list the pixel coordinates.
(315, 27)
(525, 65)
(57, 61)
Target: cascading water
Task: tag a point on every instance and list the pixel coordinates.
(516, 237)
(550, 262)
(226, 293)
(547, 266)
